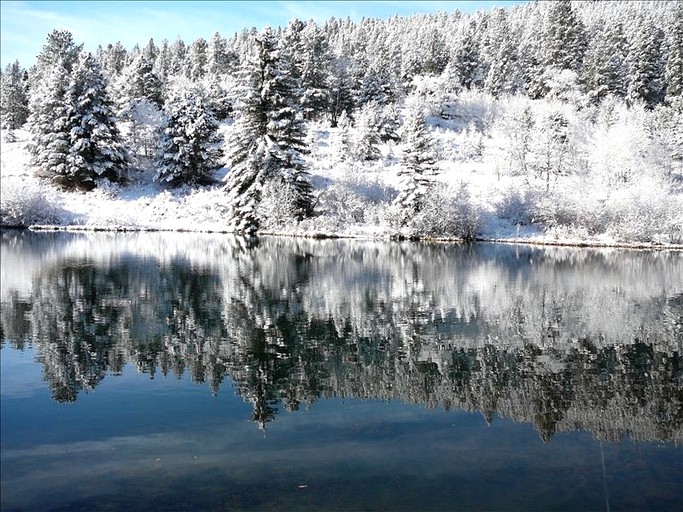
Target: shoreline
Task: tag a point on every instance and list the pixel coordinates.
(579, 244)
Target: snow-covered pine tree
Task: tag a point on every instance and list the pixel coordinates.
(49, 125)
(605, 66)
(269, 140)
(465, 58)
(140, 82)
(646, 76)
(13, 97)
(48, 121)
(504, 75)
(674, 63)
(339, 84)
(95, 148)
(419, 161)
(367, 136)
(139, 102)
(189, 152)
(564, 44)
(315, 69)
(197, 59)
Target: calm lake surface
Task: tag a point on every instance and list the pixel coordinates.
(153, 371)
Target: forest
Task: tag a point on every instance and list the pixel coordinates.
(548, 121)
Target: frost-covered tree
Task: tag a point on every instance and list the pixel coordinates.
(605, 69)
(504, 75)
(269, 140)
(59, 50)
(96, 150)
(13, 97)
(75, 138)
(646, 76)
(367, 137)
(189, 152)
(674, 63)
(315, 69)
(565, 38)
(419, 161)
(140, 82)
(49, 121)
(49, 125)
(339, 85)
(197, 59)
(465, 61)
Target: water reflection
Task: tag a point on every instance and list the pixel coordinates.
(565, 339)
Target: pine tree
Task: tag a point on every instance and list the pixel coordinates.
(197, 59)
(565, 38)
(646, 76)
(13, 97)
(315, 69)
(189, 152)
(674, 63)
(49, 121)
(95, 144)
(504, 75)
(465, 61)
(140, 82)
(419, 161)
(605, 68)
(367, 139)
(49, 124)
(339, 84)
(269, 141)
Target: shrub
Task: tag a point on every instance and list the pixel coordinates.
(446, 213)
(27, 202)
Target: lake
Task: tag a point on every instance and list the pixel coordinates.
(177, 371)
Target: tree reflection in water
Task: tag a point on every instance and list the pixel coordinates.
(568, 339)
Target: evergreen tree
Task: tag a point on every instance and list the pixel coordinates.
(13, 97)
(605, 68)
(339, 84)
(220, 59)
(504, 75)
(465, 60)
(59, 50)
(367, 140)
(140, 82)
(565, 38)
(95, 148)
(49, 121)
(269, 141)
(49, 124)
(114, 60)
(315, 69)
(419, 161)
(646, 76)
(197, 59)
(674, 63)
(189, 152)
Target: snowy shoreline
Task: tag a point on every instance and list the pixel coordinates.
(535, 241)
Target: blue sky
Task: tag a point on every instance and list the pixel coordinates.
(24, 25)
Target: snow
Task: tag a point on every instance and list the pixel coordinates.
(357, 196)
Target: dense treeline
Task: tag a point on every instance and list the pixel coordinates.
(119, 110)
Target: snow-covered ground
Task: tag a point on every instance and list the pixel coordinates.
(354, 197)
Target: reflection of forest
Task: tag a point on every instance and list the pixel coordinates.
(566, 339)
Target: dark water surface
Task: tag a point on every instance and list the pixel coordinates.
(196, 372)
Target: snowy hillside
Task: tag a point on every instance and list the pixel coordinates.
(523, 124)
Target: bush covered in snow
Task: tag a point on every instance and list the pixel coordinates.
(27, 202)
(445, 213)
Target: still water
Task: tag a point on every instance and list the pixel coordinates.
(196, 372)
